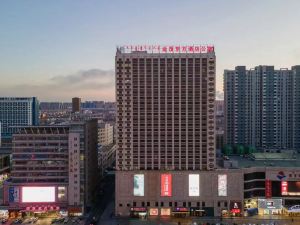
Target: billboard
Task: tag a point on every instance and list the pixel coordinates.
(194, 189)
(166, 185)
(222, 185)
(291, 188)
(13, 194)
(38, 194)
(269, 203)
(138, 185)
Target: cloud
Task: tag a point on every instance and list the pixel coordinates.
(93, 84)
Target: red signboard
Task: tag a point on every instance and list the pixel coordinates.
(166, 185)
(167, 48)
(268, 191)
(284, 187)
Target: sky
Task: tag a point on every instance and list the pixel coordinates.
(59, 49)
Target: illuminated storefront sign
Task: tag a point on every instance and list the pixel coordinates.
(166, 185)
(222, 185)
(138, 209)
(291, 188)
(235, 206)
(181, 209)
(165, 211)
(38, 194)
(268, 191)
(284, 187)
(153, 211)
(194, 189)
(138, 185)
(269, 203)
(166, 48)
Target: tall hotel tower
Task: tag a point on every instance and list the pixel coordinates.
(165, 111)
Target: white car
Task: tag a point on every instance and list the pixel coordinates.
(294, 209)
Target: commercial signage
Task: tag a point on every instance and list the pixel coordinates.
(235, 206)
(194, 183)
(181, 209)
(166, 48)
(166, 185)
(284, 187)
(38, 194)
(222, 185)
(138, 209)
(291, 188)
(165, 211)
(13, 194)
(269, 203)
(153, 211)
(138, 185)
(268, 191)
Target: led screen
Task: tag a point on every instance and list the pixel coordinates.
(38, 194)
(293, 186)
(194, 189)
(138, 185)
(166, 185)
(222, 185)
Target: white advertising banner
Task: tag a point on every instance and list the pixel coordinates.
(138, 185)
(222, 185)
(38, 194)
(194, 185)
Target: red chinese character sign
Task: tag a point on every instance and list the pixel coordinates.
(284, 187)
(166, 185)
(167, 48)
(268, 190)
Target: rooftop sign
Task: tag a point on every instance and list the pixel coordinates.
(166, 48)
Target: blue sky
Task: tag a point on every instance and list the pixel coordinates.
(62, 48)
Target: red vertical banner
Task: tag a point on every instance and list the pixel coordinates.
(284, 187)
(268, 189)
(166, 185)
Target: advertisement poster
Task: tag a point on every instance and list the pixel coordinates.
(38, 194)
(166, 185)
(138, 185)
(13, 194)
(194, 189)
(222, 185)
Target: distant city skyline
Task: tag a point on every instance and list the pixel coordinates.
(58, 50)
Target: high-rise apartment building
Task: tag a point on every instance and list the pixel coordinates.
(165, 104)
(76, 104)
(165, 116)
(262, 107)
(17, 112)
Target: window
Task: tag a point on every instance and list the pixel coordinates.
(203, 204)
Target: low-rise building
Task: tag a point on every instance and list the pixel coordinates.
(263, 184)
(54, 169)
